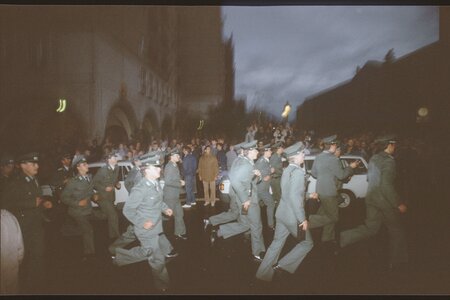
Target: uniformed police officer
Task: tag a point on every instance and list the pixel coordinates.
(290, 215)
(233, 212)
(263, 187)
(327, 169)
(23, 197)
(128, 237)
(172, 190)
(62, 175)
(382, 205)
(243, 179)
(276, 164)
(143, 210)
(77, 196)
(134, 175)
(60, 211)
(106, 179)
(339, 183)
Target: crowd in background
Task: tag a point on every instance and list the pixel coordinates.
(412, 155)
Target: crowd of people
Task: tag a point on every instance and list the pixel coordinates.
(264, 168)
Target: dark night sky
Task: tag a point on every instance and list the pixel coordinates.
(287, 53)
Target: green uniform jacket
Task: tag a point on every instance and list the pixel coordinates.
(59, 177)
(328, 170)
(381, 176)
(145, 204)
(277, 164)
(243, 181)
(78, 189)
(106, 177)
(291, 208)
(263, 165)
(20, 195)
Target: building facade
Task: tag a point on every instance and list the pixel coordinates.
(123, 71)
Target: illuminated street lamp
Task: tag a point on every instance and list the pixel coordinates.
(422, 115)
(286, 111)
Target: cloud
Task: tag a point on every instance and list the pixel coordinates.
(287, 53)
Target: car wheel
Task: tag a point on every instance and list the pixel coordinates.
(348, 198)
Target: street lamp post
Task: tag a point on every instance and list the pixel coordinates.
(286, 111)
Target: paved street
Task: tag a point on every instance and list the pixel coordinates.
(227, 268)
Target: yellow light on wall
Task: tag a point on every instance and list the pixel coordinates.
(62, 105)
(200, 125)
(422, 112)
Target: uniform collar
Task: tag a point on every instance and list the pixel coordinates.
(151, 181)
(387, 154)
(29, 178)
(251, 161)
(294, 165)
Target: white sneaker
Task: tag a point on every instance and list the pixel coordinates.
(186, 206)
(193, 203)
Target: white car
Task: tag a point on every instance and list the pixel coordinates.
(355, 187)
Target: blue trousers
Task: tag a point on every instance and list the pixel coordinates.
(190, 186)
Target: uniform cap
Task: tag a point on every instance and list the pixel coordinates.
(250, 145)
(6, 160)
(79, 160)
(387, 139)
(145, 156)
(152, 160)
(266, 147)
(238, 146)
(330, 139)
(29, 157)
(294, 149)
